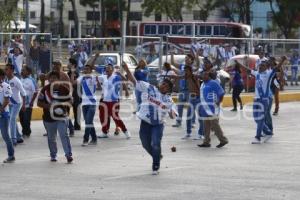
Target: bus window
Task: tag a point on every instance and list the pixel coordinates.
(223, 30)
(177, 29)
(163, 29)
(202, 30)
(216, 30)
(208, 30)
(188, 30)
(150, 30)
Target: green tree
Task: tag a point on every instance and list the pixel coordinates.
(76, 19)
(285, 15)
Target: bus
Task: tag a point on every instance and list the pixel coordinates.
(194, 29)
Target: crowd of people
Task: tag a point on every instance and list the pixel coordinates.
(200, 90)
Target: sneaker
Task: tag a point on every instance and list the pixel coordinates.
(193, 125)
(53, 160)
(161, 157)
(241, 107)
(199, 137)
(204, 145)
(69, 159)
(256, 141)
(275, 113)
(71, 134)
(103, 135)
(93, 142)
(45, 134)
(222, 144)
(20, 141)
(116, 133)
(84, 144)
(77, 128)
(267, 138)
(127, 134)
(155, 172)
(9, 160)
(233, 110)
(187, 136)
(177, 125)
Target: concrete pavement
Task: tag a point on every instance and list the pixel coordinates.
(120, 169)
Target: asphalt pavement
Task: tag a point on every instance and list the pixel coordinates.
(120, 169)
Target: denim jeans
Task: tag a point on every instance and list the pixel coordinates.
(25, 119)
(138, 97)
(260, 109)
(294, 75)
(191, 115)
(268, 127)
(182, 99)
(88, 112)
(14, 110)
(4, 123)
(151, 136)
(52, 129)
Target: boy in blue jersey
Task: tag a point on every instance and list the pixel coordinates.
(211, 96)
(262, 100)
(156, 104)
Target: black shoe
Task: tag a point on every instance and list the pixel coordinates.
(77, 128)
(53, 160)
(20, 141)
(71, 134)
(241, 107)
(93, 142)
(275, 113)
(205, 145)
(69, 159)
(9, 160)
(116, 133)
(222, 144)
(233, 110)
(161, 156)
(45, 134)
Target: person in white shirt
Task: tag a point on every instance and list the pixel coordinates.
(111, 84)
(16, 59)
(88, 83)
(17, 102)
(165, 73)
(5, 94)
(31, 89)
(261, 54)
(156, 105)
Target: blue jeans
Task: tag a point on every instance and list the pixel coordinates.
(88, 112)
(183, 97)
(138, 97)
(191, 115)
(4, 123)
(260, 109)
(52, 129)
(14, 110)
(268, 128)
(151, 136)
(294, 75)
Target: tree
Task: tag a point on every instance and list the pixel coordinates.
(171, 8)
(205, 7)
(42, 17)
(76, 19)
(60, 6)
(93, 4)
(285, 17)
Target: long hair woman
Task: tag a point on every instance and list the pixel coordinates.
(237, 87)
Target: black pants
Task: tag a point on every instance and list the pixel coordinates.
(236, 91)
(76, 111)
(25, 119)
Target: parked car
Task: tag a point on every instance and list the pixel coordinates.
(115, 59)
(249, 81)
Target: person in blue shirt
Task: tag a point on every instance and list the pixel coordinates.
(211, 96)
(295, 61)
(141, 73)
(237, 87)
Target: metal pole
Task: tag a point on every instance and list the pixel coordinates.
(167, 47)
(160, 53)
(59, 47)
(27, 30)
(124, 16)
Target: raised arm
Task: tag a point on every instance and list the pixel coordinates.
(173, 61)
(129, 74)
(92, 61)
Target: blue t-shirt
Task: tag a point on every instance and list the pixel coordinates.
(141, 74)
(182, 82)
(210, 94)
(237, 79)
(295, 60)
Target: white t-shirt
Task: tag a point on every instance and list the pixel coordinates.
(111, 87)
(263, 83)
(17, 62)
(88, 85)
(17, 90)
(155, 106)
(5, 91)
(30, 88)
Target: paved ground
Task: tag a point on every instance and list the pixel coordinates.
(120, 169)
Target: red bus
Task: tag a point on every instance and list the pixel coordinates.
(196, 29)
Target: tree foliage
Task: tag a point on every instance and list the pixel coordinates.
(286, 15)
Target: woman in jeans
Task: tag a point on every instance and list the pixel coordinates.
(237, 87)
